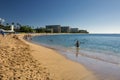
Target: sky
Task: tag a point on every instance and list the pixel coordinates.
(96, 16)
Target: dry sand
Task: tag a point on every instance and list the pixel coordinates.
(23, 60)
(16, 62)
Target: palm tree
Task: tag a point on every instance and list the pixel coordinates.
(17, 23)
(13, 23)
(7, 24)
(18, 26)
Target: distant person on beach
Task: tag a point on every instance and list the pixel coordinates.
(28, 37)
(2, 33)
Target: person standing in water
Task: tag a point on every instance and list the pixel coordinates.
(77, 44)
(77, 47)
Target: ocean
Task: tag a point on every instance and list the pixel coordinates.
(98, 52)
(104, 47)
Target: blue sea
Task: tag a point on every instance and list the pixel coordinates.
(104, 47)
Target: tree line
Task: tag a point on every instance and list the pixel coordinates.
(29, 29)
(17, 27)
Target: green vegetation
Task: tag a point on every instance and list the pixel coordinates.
(40, 30)
(28, 29)
(83, 31)
(4, 27)
(1, 26)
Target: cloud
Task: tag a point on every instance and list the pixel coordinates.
(2, 20)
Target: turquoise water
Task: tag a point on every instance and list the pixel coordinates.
(104, 47)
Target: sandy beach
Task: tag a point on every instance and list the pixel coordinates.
(22, 60)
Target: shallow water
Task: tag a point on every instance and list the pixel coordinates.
(98, 52)
(104, 47)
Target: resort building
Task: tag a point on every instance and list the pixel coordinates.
(55, 28)
(49, 30)
(74, 30)
(65, 29)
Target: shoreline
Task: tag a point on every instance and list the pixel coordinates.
(101, 69)
(66, 68)
(98, 56)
